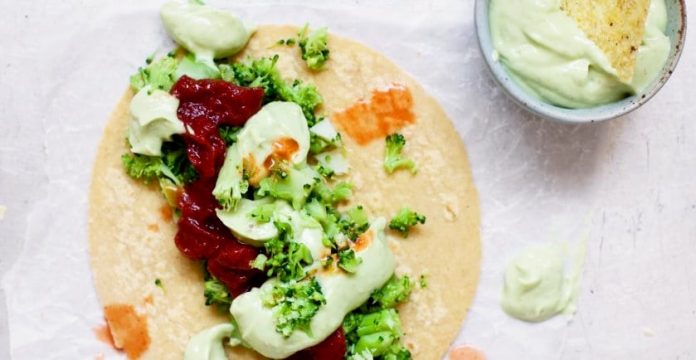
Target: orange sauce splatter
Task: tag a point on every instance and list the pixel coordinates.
(103, 334)
(99, 357)
(128, 329)
(255, 173)
(282, 150)
(149, 299)
(384, 113)
(166, 213)
(363, 241)
(153, 227)
(466, 352)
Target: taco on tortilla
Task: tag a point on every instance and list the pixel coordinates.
(280, 193)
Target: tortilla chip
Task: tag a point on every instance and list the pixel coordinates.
(616, 26)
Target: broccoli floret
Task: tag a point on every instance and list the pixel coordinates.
(160, 74)
(176, 161)
(263, 73)
(392, 155)
(295, 304)
(286, 258)
(173, 166)
(231, 182)
(159, 284)
(374, 335)
(423, 281)
(348, 261)
(295, 186)
(142, 167)
(394, 292)
(405, 219)
(229, 134)
(216, 293)
(314, 46)
(329, 197)
(354, 222)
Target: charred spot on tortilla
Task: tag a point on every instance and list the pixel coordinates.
(386, 111)
(128, 329)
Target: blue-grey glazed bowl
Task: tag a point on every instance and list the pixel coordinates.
(676, 31)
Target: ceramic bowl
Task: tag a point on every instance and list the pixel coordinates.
(676, 31)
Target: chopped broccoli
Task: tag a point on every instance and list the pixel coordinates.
(340, 192)
(295, 304)
(374, 329)
(216, 293)
(423, 281)
(353, 222)
(348, 261)
(324, 171)
(295, 186)
(231, 183)
(142, 167)
(394, 292)
(160, 74)
(318, 145)
(177, 162)
(288, 41)
(172, 166)
(404, 220)
(263, 213)
(286, 258)
(159, 284)
(229, 134)
(314, 46)
(374, 335)
(392, 155)
(262, 72)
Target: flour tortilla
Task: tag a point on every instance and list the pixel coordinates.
(131, 240)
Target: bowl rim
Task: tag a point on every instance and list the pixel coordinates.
(574, 116)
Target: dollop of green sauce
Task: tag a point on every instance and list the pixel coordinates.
(537, 287)
(153, 121)
(207, 32)
(548, 55)
(207, 344)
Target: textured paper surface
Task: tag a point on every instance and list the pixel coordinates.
(65, 64)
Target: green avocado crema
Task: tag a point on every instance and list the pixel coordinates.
(548, 55)
(537, 287)
(153, 121)
(207, 32)
(343, 293)
(207, 344)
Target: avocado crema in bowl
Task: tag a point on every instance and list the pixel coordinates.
(580, 62)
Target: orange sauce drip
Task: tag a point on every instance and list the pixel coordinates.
(254, 172)
(128, 329)
(281, 150)
(103, 334)
(149, 299)
(466, 352)
(363, 241)
(384, 113)
(166, 213)
(153, 227)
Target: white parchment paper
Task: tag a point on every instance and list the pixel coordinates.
(630, 183)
